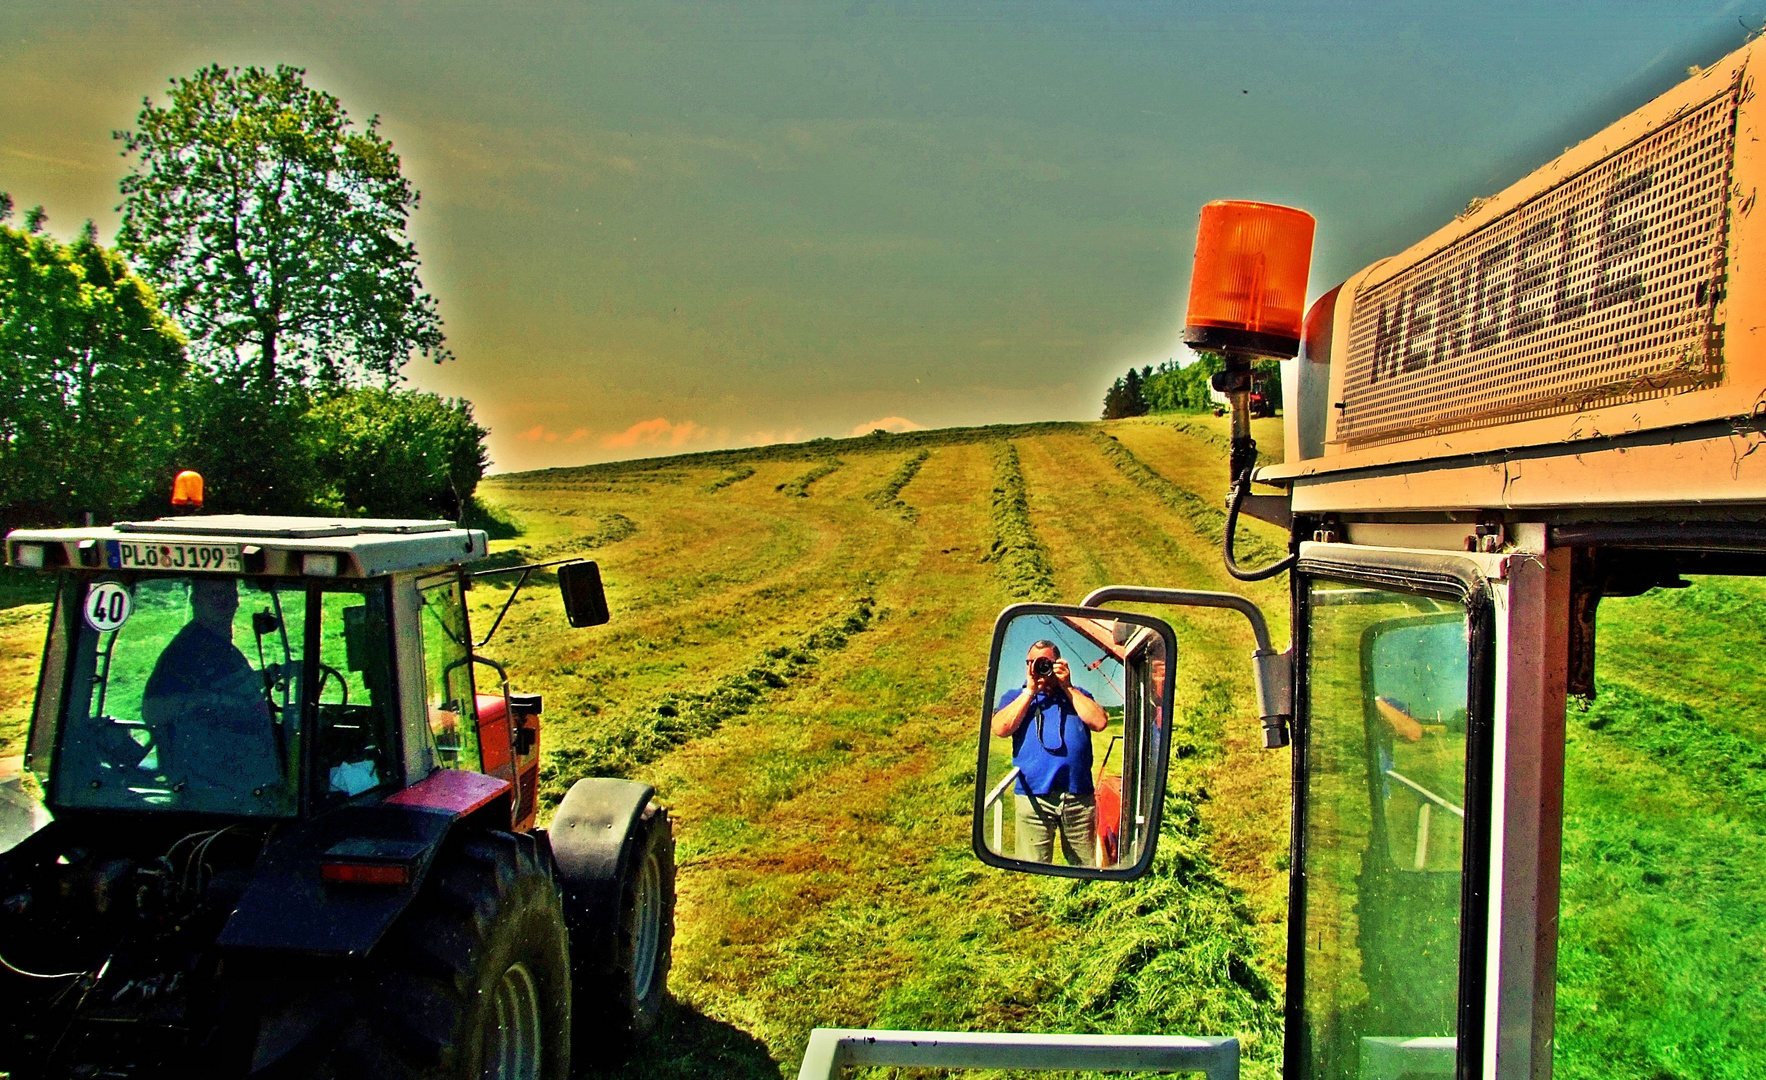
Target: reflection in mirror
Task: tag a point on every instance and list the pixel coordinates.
(1076, 740)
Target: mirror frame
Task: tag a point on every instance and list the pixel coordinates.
(977, 839)
(585, 599)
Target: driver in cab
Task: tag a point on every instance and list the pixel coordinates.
(1050, 722)
(205, 705)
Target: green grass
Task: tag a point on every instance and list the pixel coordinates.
(823, 659)
(1662, 937)
(798, 486)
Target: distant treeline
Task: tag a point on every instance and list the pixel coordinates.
(1170, 388)
(101, 404)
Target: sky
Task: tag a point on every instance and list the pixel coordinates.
(655, 227)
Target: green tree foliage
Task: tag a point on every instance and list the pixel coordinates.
(1182, 389)
(91, 373)
(1124, 398)
(399, 453)
(275, 227)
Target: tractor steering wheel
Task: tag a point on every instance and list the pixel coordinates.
(326, 671)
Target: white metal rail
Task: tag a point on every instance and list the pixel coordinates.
(994, 798)
(833, 1050)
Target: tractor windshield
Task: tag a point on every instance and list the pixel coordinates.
(184, 695)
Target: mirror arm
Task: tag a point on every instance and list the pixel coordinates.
(1274, 671)
(513, 593)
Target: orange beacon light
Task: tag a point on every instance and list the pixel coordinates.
(1248, 284)
(187, 490)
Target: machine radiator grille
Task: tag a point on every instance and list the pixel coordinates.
(1605, 289)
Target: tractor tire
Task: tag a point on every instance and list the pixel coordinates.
(474, 982)
(620, 993)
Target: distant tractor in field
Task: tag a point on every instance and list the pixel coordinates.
(291, 838)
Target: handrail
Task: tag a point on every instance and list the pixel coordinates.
(832, 1050)
(1426, 793)
(999, 811)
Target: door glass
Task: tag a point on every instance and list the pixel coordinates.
(1662, 928)
(447, 666)
(1388, 681)
(185, 695)
(357, 746)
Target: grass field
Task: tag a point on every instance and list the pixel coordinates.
(795, 662)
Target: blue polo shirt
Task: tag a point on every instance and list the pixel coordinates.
(1053, 757)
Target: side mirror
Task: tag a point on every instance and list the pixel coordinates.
(1075, 736)
(585, 601)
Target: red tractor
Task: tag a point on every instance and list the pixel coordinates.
(290, 836)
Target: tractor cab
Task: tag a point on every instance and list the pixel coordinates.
(271, 667)
(1525, 515)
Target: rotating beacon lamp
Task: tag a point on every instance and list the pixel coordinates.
(1247, 301)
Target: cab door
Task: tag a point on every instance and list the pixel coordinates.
(1395, 727)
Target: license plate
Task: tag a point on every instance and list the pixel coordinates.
(139, 555)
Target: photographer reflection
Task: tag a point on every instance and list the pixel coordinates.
(1050, 722)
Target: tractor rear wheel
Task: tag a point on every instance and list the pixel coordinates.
(474, 982)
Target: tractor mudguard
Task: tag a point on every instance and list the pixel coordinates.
(588, 839)
(290, 907)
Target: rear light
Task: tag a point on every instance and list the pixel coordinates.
(365, 873)
(1248, 284)
(371, 861)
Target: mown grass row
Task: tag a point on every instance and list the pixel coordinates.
(798, 486)
(623, 741)
(734, 476)
(1174, 952)
(888, 497)
(1208, 520)
(1203, 433)
(1018, 557)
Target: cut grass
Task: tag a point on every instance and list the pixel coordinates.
(888, 497)
(798, 486)
(822, 808)
(734, 476)
(1204, 517)
(1016, 553)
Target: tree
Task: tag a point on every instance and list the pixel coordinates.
(398, 453)
(1124, 397)
(92, 377)
(276, 229)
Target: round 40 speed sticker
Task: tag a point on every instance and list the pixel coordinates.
(107, 606)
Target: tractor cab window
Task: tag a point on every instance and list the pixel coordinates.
(447, 668)
(1388, 680)
(185, 694)
(356, 717)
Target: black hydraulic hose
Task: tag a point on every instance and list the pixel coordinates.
(1240, 490)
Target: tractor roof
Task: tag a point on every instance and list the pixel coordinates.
(245, 543)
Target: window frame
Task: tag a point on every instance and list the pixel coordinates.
(317, 785)
(59, 649)
(1441, 577)
(422, 584)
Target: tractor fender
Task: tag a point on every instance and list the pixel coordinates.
(589, 840)
(289, 907)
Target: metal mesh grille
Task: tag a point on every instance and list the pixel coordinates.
(1603, 290)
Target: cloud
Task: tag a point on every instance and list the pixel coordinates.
(769, 437)
(657, 432)
(542, 433)
(896, 424)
